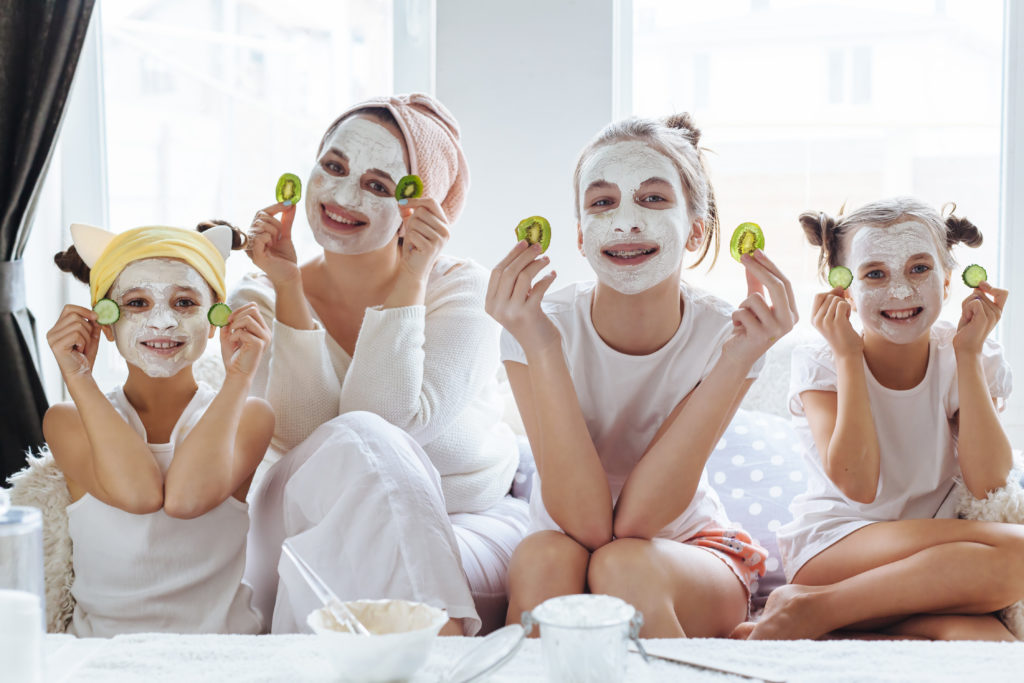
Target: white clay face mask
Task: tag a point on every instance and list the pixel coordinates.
(633, 246)
(163, 326)
(904, 299)
(347, 216)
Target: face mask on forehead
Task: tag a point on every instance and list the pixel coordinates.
(163, 326)
(613, 238)
(348, 215)
(898, 296)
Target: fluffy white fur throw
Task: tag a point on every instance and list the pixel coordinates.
(41, 485)
(1002, 505)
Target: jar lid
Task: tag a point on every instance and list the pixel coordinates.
(493, 652)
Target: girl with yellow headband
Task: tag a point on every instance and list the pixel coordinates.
(158, 470)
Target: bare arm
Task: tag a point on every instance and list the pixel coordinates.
(218, 457)
(271, 249)
(983, 449)
(96, 449)
(662, 484)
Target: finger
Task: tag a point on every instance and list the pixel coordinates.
(773, 282)
(70, 341)
(417, 241)
(277, 208)
(287, 217)
(80, 311)
(754, 286)
(538, 290)
(428, 232)
(524, 281)
(73, 323)
(428, 204)
(511, 272)
(818, 303)
(999, 296)
(430, 225)
(499, 269)
(742, 317)
(762, 258)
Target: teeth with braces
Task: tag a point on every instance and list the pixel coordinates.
(630, 254)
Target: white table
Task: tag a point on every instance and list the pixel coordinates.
(195, 659)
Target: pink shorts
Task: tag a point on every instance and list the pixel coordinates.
(737, 550)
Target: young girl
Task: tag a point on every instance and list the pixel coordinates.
(890, 417)
(158, 469)
(625, 386)
(382, 372)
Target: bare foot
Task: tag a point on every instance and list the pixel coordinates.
(791, 613)
(743, 630)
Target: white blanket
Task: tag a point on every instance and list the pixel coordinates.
(160, 658)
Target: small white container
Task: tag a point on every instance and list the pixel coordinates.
(22, 625)
(402, 634)
(584, 638)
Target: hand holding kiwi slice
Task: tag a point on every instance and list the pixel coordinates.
(409, 187)
(535, 230)
(289, 188)
(746, 239)
(974, 275)
(840, 276)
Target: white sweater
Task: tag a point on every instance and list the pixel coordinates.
(436, 381)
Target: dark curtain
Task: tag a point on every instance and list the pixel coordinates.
(40, 41)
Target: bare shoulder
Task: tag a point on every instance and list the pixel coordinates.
(68, 442)
(62, 424)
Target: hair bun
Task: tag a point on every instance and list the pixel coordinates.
(961, 231)
(684, 122)
(71, 262)
(817, 225)
(238, 238)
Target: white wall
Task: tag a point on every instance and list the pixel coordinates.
(530, 82)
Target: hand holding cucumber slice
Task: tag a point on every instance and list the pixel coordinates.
(746, 239)
(409, 187)
(289, 188)
(218, 314)
(974, 275)
(535, 230)
(840, 276)
(107, 311)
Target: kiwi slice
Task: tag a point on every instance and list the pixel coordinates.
(289, 188)
(535, 230)
(840, 276)
(218, 314)
(745, 239)
(409, 187)
(107, 311)
(974, 275)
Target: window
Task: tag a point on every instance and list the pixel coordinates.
(802, 116)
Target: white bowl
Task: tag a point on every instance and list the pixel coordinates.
(402, 634)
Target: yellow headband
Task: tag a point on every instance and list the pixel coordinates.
(157, 242)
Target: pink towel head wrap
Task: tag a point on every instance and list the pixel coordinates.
(431, 137)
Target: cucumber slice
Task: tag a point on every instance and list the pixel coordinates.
(840, 276)
(218, 314)
(974, 275)
(745, 240)
(535, 230)
(107, 311)
(409, 187)
(289, 188)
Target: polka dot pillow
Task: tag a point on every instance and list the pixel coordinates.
(757, 468)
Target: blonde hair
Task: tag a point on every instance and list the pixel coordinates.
(676, 137)
(824, 231)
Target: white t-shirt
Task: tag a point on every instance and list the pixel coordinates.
(916, 443)
(625, 398)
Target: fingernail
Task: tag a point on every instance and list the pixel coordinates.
(403, 202)
(287, 202)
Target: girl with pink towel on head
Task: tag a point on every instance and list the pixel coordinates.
(382, 373)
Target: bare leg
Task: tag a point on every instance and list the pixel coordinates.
(953, 627)
(546, 564)
(680, 589)
(452, 628)
(889, 571)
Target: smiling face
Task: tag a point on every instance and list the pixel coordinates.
(163, 326)
(899, 283)
(633, 216)
(350, 200)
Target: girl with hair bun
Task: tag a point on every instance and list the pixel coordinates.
(158, 470)
(890, 419)
(626, 384)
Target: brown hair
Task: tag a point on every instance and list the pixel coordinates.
(70, 261)
(829, 233)
(678, 138)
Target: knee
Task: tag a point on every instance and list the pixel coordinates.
(362, 422)
(546, 554)
(620, 566)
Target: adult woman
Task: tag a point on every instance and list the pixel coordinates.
(382, 375)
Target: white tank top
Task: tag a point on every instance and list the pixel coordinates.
(154, 573)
